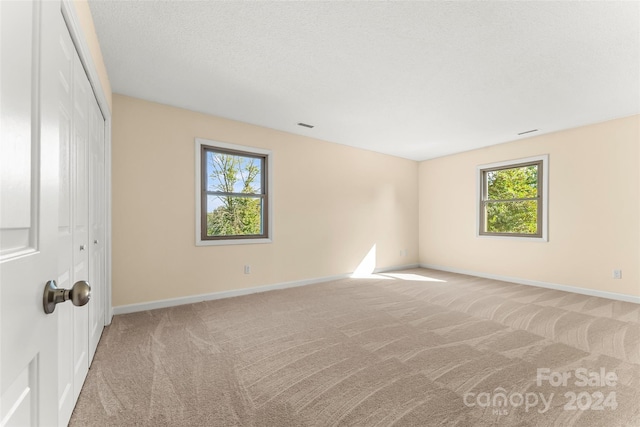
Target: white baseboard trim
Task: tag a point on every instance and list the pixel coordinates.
(566, 288)
(397, 268)
(152, 305)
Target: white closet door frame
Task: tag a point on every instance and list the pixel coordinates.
(77, 35)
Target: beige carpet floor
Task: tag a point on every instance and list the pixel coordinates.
(411, 348)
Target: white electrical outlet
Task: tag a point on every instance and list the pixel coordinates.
(247, 269)
(617, 274)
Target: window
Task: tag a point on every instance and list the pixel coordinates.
(233, 198)
(513, 198)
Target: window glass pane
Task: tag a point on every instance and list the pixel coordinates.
(234, 216)
(515, 183)
(512, 217)
(229, 173)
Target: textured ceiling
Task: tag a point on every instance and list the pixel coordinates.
(413, 79)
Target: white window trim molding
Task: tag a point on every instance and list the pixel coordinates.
(199, 142)
(545, 197)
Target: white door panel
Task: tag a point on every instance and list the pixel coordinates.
(52, 208)
(16, 216)
(65, 312)
(29, 212)
(80, 219)
(97, 220)
(77, 254)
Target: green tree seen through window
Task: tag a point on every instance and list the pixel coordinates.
(235, 207)
(511, 204)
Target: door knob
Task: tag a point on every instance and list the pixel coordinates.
(79, 295)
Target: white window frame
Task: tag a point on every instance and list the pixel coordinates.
(544, 158)
(199, 142)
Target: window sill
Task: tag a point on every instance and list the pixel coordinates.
(529, 239)
(232, 242)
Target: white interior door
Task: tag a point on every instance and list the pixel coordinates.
(52, 215)
(81, 224)
(65, 312)
(28, 213)
(80, 218)
(73, 230)
(97, 225)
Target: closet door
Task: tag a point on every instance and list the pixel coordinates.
(82, 210)
(97, 225)
(73, 237)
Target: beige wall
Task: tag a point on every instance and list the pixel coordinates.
(332, 203)
(89, 30)
(594, 210)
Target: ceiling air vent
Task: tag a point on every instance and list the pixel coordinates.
(305, 125)
(528, 131)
